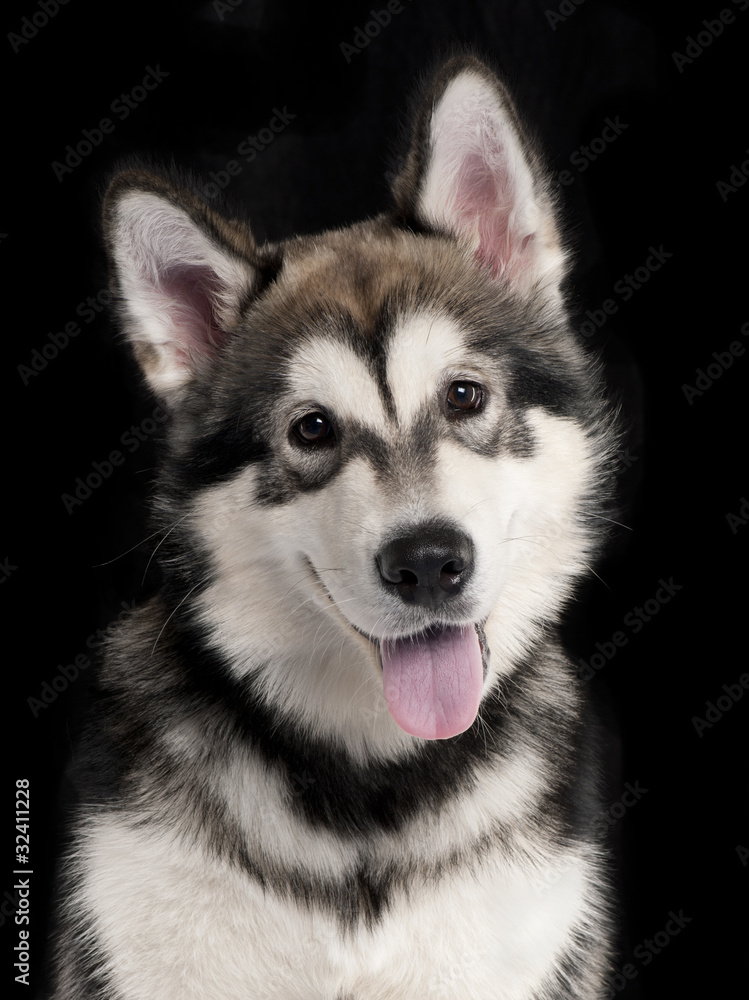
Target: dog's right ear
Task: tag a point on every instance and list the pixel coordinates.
(472, 172)
(181, 272)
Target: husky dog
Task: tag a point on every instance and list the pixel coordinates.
(342, 755)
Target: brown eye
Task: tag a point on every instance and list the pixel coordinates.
(464, 396)
(314, 429)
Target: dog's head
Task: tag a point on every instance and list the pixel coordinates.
(386, 447)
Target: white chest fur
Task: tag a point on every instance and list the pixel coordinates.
(174, 924)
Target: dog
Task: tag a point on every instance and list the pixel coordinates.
(342, 753)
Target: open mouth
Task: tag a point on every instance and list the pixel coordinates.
(432, 680)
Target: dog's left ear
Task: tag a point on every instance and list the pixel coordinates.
(472, 172)
(181, 273)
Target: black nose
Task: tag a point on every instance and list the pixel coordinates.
(428, 565)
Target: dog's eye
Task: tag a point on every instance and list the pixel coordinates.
(464, 396)
(314, 429)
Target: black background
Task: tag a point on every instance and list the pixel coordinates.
(225, 72)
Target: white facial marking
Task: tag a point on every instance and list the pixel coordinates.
(424, 349)
(330, 373)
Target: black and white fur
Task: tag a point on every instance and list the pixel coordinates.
(257, 825)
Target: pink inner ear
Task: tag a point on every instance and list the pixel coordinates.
(484, 204)
(191, 293)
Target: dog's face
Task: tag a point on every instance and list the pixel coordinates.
(383, 446)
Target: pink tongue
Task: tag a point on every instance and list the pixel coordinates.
(433, 682)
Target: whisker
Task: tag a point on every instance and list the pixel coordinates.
(127, 551)
(589, 513)
(176, 524)
(534, 540)
(153, 650)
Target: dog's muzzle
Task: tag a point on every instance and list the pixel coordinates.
(433, 679)
(427, 565)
